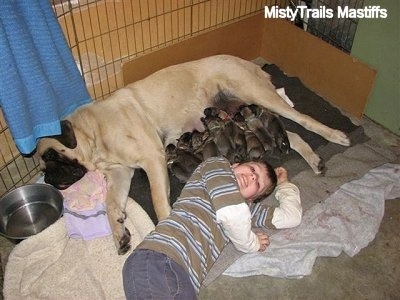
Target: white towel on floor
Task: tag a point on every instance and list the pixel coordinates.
(347, 221)
(50, 265)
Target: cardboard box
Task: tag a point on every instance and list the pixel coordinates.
(341, 79)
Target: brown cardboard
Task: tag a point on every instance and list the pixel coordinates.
(328, 71)
(235, 39)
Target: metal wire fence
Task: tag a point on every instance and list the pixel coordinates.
(103, 34)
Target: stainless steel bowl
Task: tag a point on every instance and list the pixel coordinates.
(27, 210)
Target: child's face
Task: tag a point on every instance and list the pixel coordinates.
(252, 179)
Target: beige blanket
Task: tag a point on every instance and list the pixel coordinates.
(50, 265)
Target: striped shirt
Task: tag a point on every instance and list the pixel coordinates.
(191, 235)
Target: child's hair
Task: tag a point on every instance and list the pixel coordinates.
(272, 176)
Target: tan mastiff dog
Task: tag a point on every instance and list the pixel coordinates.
(131, 128)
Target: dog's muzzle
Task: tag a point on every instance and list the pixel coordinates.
(60, 171)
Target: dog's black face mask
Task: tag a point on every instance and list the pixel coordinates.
(61, 172)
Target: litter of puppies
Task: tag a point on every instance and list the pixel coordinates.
(248, 132)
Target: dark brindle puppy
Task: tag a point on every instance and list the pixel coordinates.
(215, 126)
(255, 125)
(236, 136)
(254, 147)
(204, 145)
(181, 160)
(273, 125)
(228, 137)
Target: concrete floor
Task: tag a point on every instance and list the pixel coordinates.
(374, 273)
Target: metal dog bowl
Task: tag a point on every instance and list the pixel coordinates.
(27, 210)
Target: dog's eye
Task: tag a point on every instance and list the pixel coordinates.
(78, 173)
(49, 155)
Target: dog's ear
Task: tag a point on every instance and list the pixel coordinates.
(208, 111)
(256, 109)
(67, 136)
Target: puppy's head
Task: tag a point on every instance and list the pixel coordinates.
(247, 113)
(170, 153)
(198, 139)
(185, 141)
(256, 109)
(211, 111)
(239, 120)
(60, 168)
(277, 130)
(211, 120)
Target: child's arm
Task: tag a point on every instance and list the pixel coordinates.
(236, 221)
(289, 212)
(232, 213)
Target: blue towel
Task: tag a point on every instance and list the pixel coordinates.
(39, 81)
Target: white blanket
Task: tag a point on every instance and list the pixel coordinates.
(346, 221)
(50, 265)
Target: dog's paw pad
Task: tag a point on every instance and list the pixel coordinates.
(317, 164)
(124, 249)
(321, 167)
(124, 242)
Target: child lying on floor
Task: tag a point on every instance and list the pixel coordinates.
(213, 209)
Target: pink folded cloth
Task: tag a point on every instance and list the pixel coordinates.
(85, 211)
(85, 193)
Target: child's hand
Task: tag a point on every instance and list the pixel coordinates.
(281, 174)
(264, 241)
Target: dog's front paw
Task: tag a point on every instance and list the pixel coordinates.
(321, 168)
(124, 242)
(316, 163)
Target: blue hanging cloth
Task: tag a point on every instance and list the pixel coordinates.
(39, 81)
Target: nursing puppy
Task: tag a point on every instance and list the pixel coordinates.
(273, 127)
(254, 148)
(255, 125)
(204, 145)
(227, 136)
(180, 158)
(236, 135)
(131, 128)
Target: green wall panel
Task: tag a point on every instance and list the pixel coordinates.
(377, 42)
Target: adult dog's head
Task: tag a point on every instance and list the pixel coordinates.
(58, 159)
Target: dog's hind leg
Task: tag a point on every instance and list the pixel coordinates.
(253, 85)
(330, 134)
(118, 184)
(300, 146)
